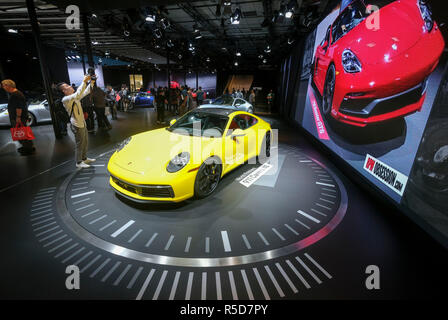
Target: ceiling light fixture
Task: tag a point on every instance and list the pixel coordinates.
(150, 18)
(236, 16)
(13, 31)
(238, 54)
(290, 8)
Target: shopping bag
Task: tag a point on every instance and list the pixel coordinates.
(21, 132)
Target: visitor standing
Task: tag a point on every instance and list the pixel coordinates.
(18, 113)
(72, 103)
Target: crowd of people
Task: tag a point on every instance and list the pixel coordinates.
(81, 106)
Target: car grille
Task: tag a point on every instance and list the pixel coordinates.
(365, 108)
(150, 191)
(398, 102)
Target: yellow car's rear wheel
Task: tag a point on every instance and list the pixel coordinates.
(208, 177)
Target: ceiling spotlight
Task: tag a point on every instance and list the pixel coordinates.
(260, 56)
(150, 18)
(236, 16)
(208, 59)
(268, 49)
(95, 43)
(13, 31)
(275, 16)
(107, 53)
(238, 54)
(157, 33)
(149, 58)
(94, 15)
(264, 60)
(227, 3)
(290, 8)
(179, 56)
(195, 28)
(290, 41)
(165, 23)
(236, 63)
(34, 58)
(282, 10)
(78, 57)
(126, 33)
(169, 43)
(74, 45)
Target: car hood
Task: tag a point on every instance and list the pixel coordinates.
(400, 28)
(150, 152)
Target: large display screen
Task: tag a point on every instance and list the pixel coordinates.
(371, 71)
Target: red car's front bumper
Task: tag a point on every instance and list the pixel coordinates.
(392, 88)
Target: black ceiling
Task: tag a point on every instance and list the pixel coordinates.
(119, 27)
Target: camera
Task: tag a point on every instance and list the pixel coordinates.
(91, 73)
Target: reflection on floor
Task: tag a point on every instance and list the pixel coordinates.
(305, 232)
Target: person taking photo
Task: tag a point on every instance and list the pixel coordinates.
(72, 103)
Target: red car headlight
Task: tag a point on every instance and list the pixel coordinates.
(426, 13)
(350, 62)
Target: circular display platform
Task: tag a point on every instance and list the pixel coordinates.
(294, 204)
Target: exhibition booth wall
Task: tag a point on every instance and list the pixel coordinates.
(370, 85)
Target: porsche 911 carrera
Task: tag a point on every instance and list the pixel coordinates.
(368, 75)
(188, 158)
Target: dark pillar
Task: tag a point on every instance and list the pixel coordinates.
(168, 71)
(133, 77)
(153, 80)
(197, 79)
(85, 26)
(43, 66)
(2, 75)
(83, 60)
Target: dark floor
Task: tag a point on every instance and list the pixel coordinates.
(37, 242)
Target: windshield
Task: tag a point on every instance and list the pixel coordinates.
(223, 101)
(354, 14)
(200, 124)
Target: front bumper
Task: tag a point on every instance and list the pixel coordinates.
(361, 112)
(387, 90)
(171, 187)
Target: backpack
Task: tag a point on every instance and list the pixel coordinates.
(61, 112)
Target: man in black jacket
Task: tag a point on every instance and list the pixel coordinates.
(99, 105)
(161, 101)
(18, 113)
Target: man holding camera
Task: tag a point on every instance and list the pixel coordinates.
(72, 103)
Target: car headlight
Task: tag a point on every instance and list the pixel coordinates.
(426, 13)
(178, 162)
(123, 143)
(350, 62)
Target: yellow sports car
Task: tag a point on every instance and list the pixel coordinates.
(189, 157)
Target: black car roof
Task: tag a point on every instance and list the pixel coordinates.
(218, 111)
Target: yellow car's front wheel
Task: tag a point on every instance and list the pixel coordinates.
(208, 177)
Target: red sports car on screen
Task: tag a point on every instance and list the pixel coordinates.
(370, 68)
